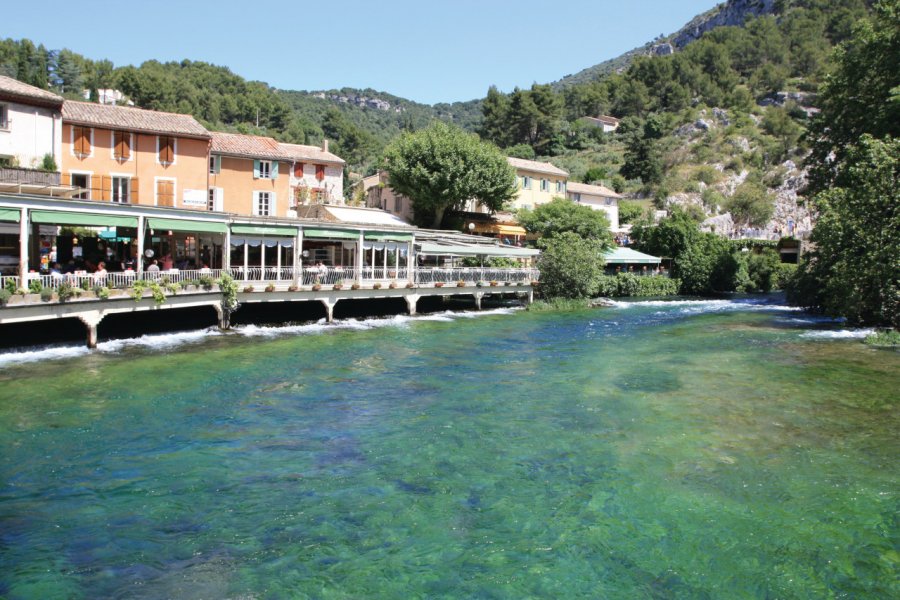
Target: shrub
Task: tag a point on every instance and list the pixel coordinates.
(10, 286)
(65, 291)
(570, 266)
(206, 282)
(35, 286)
(103, 293)
(784, 275)
(47, 294)
(248, 289)
(628, 284)
(270, 287)
(4, 296)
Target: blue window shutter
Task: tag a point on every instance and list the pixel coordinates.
(274, 169)
(255, 169)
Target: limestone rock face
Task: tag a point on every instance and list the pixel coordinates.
(733, 12)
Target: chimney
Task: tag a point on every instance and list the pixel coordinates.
(324, 145)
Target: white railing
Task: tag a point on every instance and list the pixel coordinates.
(326, 276)
(6, 279)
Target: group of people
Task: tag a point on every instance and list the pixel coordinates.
(622, 239)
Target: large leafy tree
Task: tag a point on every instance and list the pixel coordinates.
(561, 215)
(442, 167)
(854, 269)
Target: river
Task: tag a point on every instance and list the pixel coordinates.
(677, 449)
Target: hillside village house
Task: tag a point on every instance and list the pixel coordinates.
(248, 175)
(604, 122)
(135, 156)
(539, 183)
(597, 197)
(316, 175)
(30, 125)
(380, 195)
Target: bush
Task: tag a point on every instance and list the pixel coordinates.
(65, 291)
(764, 269)
(570, 266)
(103, 293)
(4, 296)
(628, 284)
(887, 338)
(784, 275)
(35, 286)
(206, 282)
(10, 286)
(46, 294)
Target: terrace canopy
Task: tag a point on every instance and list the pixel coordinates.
(476, 250)
(627, 256)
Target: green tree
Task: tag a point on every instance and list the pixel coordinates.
(750, 204)
(561, 215)
(643, 156)
(570, 266)
(861, 96)
(495, 113)
(854, 268)
(442, 167)
(763, 269)
(629, 211)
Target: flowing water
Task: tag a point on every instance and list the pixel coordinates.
(685, 449)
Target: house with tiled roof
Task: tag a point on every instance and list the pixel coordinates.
(317, 175)
(597, 197)
(30, 124)
(248, 175)
(538, 182)
(132, 155)
(604, 122)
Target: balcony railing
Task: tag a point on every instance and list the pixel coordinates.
(28, 176)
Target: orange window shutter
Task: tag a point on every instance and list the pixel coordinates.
(126, 146)
(65, 179)
(85, 140)
(105, 187)
(133, 191)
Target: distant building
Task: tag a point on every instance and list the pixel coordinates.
(131, 155)
(379, 194)
(597, 197)
(538, 182)
(108, 96)
(316, 175)
(30, 125)
(606, 123)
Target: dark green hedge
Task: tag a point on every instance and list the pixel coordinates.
(626, 284)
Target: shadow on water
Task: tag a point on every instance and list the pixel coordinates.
(259, 313)
(129, 325)
(55, 331)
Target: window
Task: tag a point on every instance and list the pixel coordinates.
(320, 172)
(81, 141)
(166, 149)
(526, 182)
(121, 145)
(298, 170)
(398, 204)
(609, 201)
(120, 188)
(576, 197)
(211, 199)
(265, 169)
(263, 206)
(165, 192)
(83, 181)
(560, 187)
(4, 116)
(215, 164)
(545, 185)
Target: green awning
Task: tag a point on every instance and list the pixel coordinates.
(388, 236)
(284, 231)
(10, 214)
(184, 225)
(330, 234)
(625, 256)
(474, 250)
(76, 218)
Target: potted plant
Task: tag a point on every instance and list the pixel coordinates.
(376, 285)
(438, 284)
(293, 288)
(460, 283)
(494, 283)
(339, 284)
(354, 286)
(393, 285)
(410, 285)
(270, 287)
(316, 286)
(248, 289)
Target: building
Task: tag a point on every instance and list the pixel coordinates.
(30, 125)
(604, 122)
(379, 194)
(597, 197)
(316, 175)
(135, 156)
(248, 175)
(539, 183)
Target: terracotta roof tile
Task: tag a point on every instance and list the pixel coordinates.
(302, 153)
(249, 146)
(14, 88)
(132, 119)
(539, 167)
(593, 190)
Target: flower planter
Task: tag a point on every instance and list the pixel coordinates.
(248, 289)
(376, 286)
(393, 286)
(316, 287)
(410, 285)
(460, 284)
(439, 284)
(293, 288)
(355, 286)
(338, 286)
(270, 288)
(494, 284)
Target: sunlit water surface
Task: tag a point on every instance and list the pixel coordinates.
(652, 450)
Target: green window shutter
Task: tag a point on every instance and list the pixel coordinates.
(274, 169)
(255, 169)
(218, 165)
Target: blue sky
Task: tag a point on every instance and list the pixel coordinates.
(428, 51)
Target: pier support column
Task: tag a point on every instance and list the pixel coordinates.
(529, 298)
(223, 316)
(91, 320)
(329, 308)
(411, 302)
(478, 297)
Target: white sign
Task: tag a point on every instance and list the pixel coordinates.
(194, 198)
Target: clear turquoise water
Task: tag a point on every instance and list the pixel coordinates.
(687, 450)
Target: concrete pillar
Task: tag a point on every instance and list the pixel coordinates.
(139, 259)
(298, 262)
(23, 249)
(411, 301)
(226, 249)
(91, 320)
(478, 297)
(411, 261)
(359, 257)
(530, 297)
